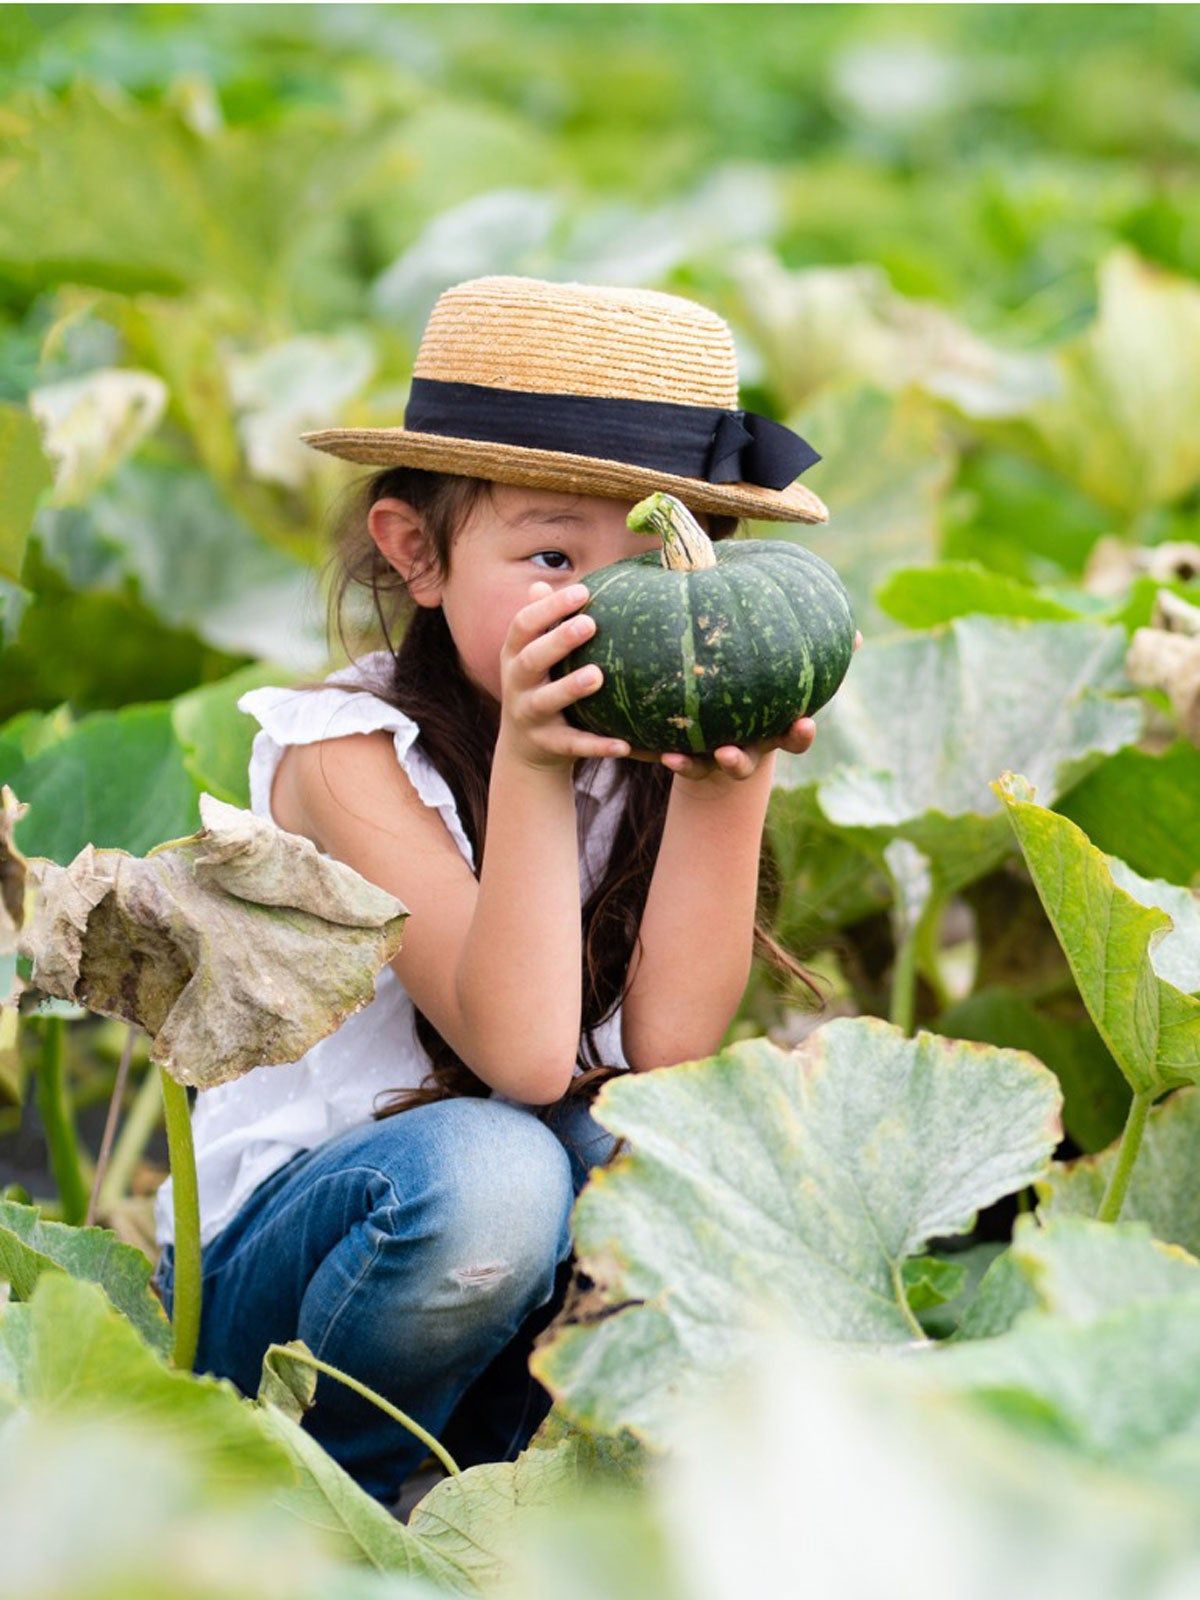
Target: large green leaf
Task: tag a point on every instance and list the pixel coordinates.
(132, 204)
(806, 1475)
(922, 723)
(1122, 425)
(1077, 1269)
(24, 475)
(95, 648)
(1080, 1269)
(117, 780)
(476, 1522)
(1017, 516)
(924, 597)
(198, 564)
(326, 1497)
(69, 1352)
(465, 1531)
(791, 1183)
(99, 189)
(30, 1246)
(1121, 1386)
(1163, 1191)
(825, 880)
(1095, 1095)
(216, 737)
(1123, 948)
(1160, 791)
(116, 1506)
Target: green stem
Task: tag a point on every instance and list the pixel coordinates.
(132, 1140)
(904, 983)
(54, 1107)
(920, 939)
(928, 956)
(185, 1315)
(308, 1360)
(906, 1311)
(1131, 1143)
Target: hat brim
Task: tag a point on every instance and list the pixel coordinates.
(554, 469)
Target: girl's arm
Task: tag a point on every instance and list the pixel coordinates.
(495, 964)
(697, 931)
(518, 975)
(490, 961)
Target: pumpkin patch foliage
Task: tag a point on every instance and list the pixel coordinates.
(897, 1292)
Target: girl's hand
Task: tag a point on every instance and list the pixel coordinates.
(738, 761)
(735, 760)
(531, 702)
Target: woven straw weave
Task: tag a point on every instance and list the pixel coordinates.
(580, 339)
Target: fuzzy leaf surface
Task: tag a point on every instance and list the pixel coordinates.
(1122, 946)
(909, 745)
(69, 1352)
(30, 1246)
(1162, 1192)
(797, 1184)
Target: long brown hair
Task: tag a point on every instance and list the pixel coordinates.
(424, 679)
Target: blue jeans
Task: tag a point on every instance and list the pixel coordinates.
(421, 1254)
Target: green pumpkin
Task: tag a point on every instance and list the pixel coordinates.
(705, 644)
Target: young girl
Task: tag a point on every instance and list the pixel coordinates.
(577, 908)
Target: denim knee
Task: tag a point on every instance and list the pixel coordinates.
(508, 1196)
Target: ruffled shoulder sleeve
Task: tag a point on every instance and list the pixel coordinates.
(344, 706)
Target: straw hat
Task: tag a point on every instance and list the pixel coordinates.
(602, 391)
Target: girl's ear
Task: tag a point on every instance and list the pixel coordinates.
(399, 532)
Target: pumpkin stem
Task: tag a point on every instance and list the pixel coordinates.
(686, 546)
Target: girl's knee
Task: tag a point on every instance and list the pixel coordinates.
(513, 1195)
(497, 1187)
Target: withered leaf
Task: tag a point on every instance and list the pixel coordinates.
(238, 946)
(12, 872)
(1166, 656)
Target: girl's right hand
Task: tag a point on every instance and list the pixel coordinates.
(532, 725)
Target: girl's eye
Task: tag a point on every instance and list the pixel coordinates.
(561, 553)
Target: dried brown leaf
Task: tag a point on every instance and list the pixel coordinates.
(1114, 563)
(12, 872)
(1158, 659)
(238, 946)
(1174, 614)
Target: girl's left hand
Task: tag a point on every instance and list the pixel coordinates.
(738, 761)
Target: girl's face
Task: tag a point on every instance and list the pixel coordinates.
(516, 538)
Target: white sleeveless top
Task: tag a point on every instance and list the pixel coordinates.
(244, 1130)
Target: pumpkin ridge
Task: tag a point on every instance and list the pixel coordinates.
(804, 621)
(691, 683)
(748, 624)
(607, 583)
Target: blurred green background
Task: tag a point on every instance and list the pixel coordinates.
(957, 245)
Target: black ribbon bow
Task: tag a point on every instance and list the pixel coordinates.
(749, 448)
